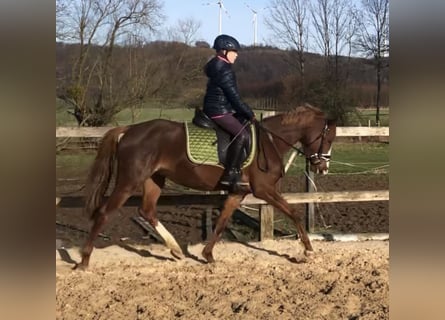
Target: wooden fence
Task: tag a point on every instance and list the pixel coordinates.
(97, 132)
(215, 199)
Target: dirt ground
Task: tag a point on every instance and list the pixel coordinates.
(133, 276)
(268, 280)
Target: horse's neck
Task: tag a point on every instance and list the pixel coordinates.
(291, 133)
(283, 136)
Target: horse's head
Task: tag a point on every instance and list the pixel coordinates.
(309, 126)
(317, 145)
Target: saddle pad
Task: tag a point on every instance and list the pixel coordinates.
(202, 147)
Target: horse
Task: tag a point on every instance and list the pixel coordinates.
(150, 152)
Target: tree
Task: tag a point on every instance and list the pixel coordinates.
(202, 44)
(333, 29)
(342, 29)
(321, 12)
(373, 38)
(288, 21)
(98, 27)
(186, 29)
(61, 6)
(330, 27)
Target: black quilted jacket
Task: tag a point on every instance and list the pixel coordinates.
(222, 94)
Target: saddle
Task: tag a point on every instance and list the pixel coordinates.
(208, 144)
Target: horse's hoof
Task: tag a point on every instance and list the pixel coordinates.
(210, 260)
(208, 257)
(309, 253)
(79, 266)
(177, 254)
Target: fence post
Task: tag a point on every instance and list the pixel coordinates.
(266, 222)
(208, 223)
(266, 211)
(310, 217)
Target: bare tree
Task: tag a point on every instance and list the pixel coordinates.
(61, 9)
(373, 38)
(342, 28)
(184, 31)
(139, 69)
(331, 21)
(187, 29)
(321, 11)
(99, 26)
(351, 30)
(288, 21)
(332, 31)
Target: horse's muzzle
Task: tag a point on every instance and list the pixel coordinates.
(319, 164)
(320, 168)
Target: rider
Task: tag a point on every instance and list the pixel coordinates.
(222, 100)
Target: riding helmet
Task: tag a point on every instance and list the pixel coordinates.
(226, 42)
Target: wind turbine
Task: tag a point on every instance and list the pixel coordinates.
(221, 8)
(255, 22)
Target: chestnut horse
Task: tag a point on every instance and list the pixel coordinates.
(149, 152)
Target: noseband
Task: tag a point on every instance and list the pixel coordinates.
(316, 158)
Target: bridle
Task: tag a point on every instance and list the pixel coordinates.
(314, 158)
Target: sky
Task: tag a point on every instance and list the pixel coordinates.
(237, 23)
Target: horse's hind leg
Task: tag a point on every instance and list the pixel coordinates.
(100, 217)
(151, 194)
(232, 202)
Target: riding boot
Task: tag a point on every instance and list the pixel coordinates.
(232, 173)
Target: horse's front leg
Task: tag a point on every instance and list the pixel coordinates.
(275, 199)
(232, 202)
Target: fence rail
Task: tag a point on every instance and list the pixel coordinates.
(97, 132)
(266, 211)
(212, 199)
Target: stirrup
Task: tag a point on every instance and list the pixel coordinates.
(238, 186)
(233, 179)
(229, 177)
(234, 183)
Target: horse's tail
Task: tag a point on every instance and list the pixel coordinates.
(101, 171)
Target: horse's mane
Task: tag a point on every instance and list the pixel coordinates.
(299, 114)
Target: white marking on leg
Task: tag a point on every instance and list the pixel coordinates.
(170, 241)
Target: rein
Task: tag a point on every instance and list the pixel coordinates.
(299, 151)
(313, 158)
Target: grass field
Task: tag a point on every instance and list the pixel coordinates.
(351, 158)
(366, 117)
(127, 116)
